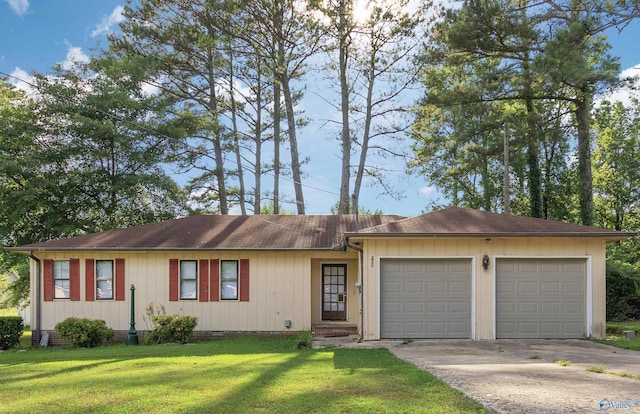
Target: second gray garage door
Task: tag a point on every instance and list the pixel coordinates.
(540, 298)
(425, 298)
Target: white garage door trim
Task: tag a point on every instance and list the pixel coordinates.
(473, 284)
(588, 293)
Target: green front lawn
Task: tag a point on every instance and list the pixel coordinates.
(9, 312)
(615, 336)
(244, 374)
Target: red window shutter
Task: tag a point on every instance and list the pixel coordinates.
(47, 280)
(90, 280)
(74, 279)
(119, 279)
(244, 280)
(173, 280)
(203, 269)
(215, 279)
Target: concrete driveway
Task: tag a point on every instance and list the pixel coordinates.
(520, 376)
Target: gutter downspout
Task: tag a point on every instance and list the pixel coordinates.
(361, 254)
(38, 294)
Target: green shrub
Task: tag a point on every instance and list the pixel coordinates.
(304, 340)
(623, 291)
(10, 331)
(84, 332)
(171, 328)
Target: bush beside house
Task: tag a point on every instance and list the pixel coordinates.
(84, 332)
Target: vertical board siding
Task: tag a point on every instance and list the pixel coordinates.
(74, 279)
(90, 280)
(279, 289)
(203, 283)
(173, 280)
(120, 283)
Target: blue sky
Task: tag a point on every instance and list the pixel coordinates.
(37, 34)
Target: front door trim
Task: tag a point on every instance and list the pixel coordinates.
(333, 292)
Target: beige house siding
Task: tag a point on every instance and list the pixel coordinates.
(280, 287)
(483, 312)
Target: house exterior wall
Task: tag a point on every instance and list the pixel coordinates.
(279, 290)
(483, 319)
(353, 299)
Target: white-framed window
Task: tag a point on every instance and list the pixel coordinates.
(104, 279)
(188, 279)
(229, 279)
(61, 279)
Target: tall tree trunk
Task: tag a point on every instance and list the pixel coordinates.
(217, 143)
(293, 143)
(366, 135)
(533, 152)
(582, 110)
(277, 111)
(343, 51)
(533, 159)
(257, 172)
(236, 138)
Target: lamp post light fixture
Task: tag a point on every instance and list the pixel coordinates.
(132, 337)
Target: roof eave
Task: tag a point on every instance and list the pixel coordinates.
(609, 237)
(160, 249)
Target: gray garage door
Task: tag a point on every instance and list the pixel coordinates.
(425, 298)
(540, 298)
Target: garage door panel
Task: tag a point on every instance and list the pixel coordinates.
(506, 308)
(441, 309)
(461, 288)
(575, 308)
(392, 286)
(548, 300)
(506, 287)
(414, 307)
(459, 307)
(552, 308)
(550, 328)
(439, 267)
(415, 287)
(550, 287)
(436, 307)
(413, 328)
(525, 286)
(528, 308)
(526, 267)
(436, 287)
(389, 307)
(573, 287)
(394, 328)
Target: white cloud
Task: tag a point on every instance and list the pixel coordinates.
(625, 94)
(22, 80)
(19, 6)
(427, 191)
(74, 56)
(108, 22)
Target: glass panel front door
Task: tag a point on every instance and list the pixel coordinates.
(334, 292)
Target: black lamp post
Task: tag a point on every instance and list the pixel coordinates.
(132, 338)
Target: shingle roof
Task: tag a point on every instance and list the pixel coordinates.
(319, 232)
(455, 221)
(259, 232)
